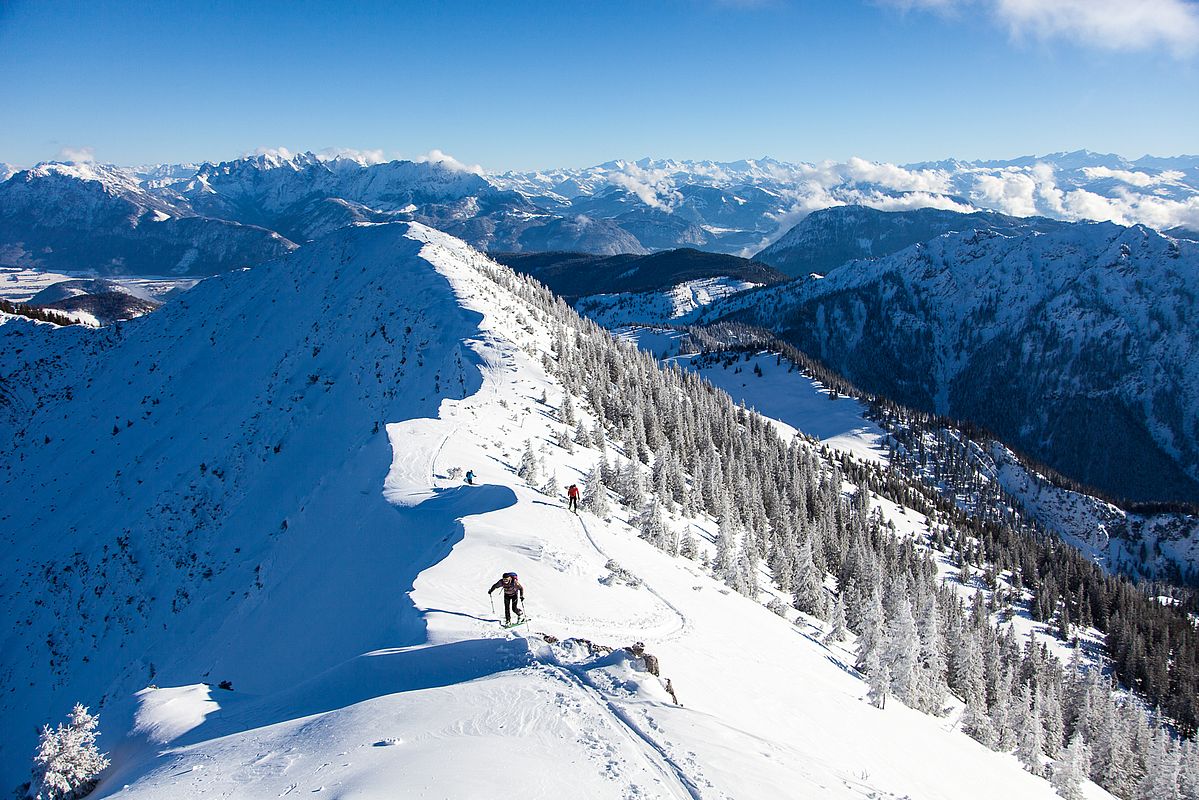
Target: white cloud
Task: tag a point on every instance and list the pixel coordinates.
(448, 161)
(898, 178)
(80, 155)
(908, 201)
(888, 176)
(1113, 24)
(274, 152)
(1129, 209)
(364, 157)
(1109, 24)
(652, 186)
(1021, 192)
(1011, 192)
(1132, 178)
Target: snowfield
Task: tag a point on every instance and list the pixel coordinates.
(678, 304)
(259, 484)
(793, 401)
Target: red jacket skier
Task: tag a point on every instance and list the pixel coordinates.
(572, 498)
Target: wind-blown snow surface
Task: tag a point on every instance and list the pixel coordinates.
(253, 485)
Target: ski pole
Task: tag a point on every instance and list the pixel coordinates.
(492, 600)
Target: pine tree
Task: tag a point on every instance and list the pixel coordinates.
(726, 542)
(67, 761)
(743, 578)
(582, 437)
(1161, 769)
(629, 485)
(878, 678)
(527, 468)
(652, 526)
(931, 674)
(1111, 765)
(567, 410)
(550, 488)
(809, 586)
(976, 724)
(1071, 769)
(836, 622)
(871, 630)
(1001, 713)
(901, 651)
(1051, 715)
(595, 494)
(1029, 739)
(689, 546)
(1188, 774)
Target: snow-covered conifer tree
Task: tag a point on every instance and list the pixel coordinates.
(744, 576)
(931, 672)
(900, 652)
(630, 486)
(1161, 769)
(871, 631)
(582, 437)
(1029, 735)
(976, 724)
(809, 586)
(652, 526)
(836, 622)
(689, 546)
(1001, 713)
(1188, 773)
(1051, 716)
(878, 678)
(527, 468)
(726, 541)
(1071, 769)
(595, 494)
(67, 761)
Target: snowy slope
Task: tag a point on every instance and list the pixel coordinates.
(78, 217)
(1074, 345)
(777, 390)
(677, 305)
(255, 485)
(1129, 542)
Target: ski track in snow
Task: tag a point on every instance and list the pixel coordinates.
(684, 623)
(654, 752)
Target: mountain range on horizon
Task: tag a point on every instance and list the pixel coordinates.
(200, 219)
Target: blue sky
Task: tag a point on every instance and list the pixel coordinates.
(517, 85)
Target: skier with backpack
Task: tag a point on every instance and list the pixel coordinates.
(512, 590)
(470, 477)
(572, 498)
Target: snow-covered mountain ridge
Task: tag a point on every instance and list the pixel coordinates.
(1071, 343)
(86, 217)
(616, 207)
(257, 484)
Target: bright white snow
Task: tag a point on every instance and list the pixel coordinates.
(368, 662)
